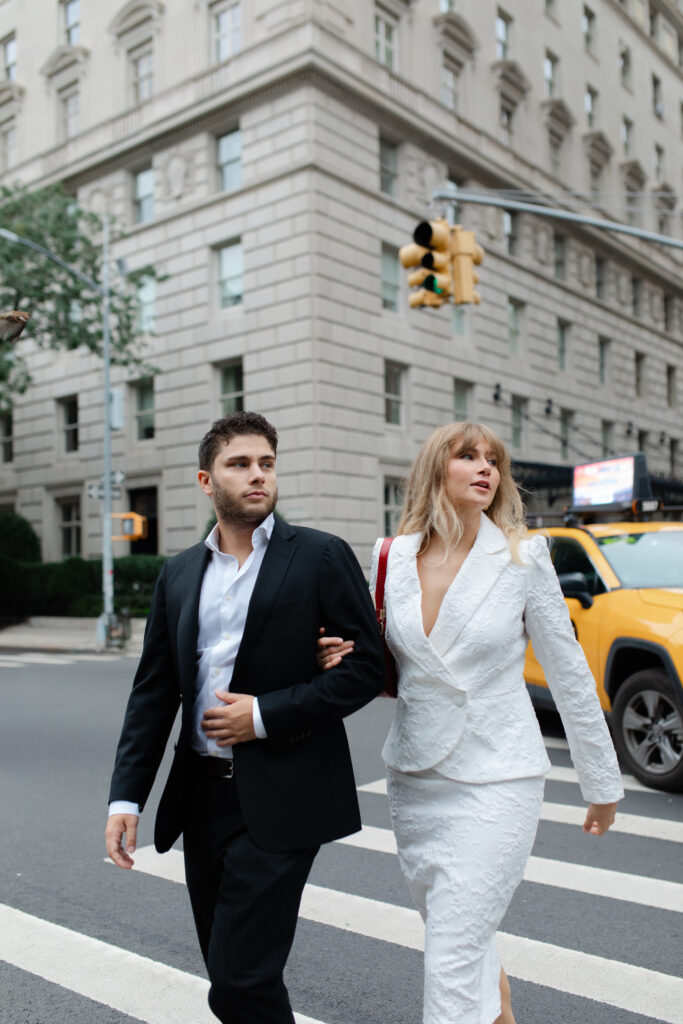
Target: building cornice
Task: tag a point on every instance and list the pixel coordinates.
(65, 57)
(133, 14)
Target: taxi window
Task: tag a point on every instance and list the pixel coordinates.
(569, 556)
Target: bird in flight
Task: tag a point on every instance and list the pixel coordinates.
(12, 324)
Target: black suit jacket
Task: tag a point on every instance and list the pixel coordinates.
(296, 789)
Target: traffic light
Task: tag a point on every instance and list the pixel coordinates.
(466, 253)
(430, 252)
(133, 526)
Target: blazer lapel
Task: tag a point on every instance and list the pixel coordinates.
(188, 619)
(276, 561)
(480, 570)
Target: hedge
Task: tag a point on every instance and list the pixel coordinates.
(74, 586)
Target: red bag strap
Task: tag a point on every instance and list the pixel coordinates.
(381, 578)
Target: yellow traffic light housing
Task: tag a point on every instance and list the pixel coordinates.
(466, 253)
(133, 526)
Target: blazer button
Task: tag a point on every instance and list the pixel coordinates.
(459, 700)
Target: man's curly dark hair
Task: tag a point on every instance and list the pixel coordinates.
(222, 431)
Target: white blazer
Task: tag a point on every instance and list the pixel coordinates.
(463, 708)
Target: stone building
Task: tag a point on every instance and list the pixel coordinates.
(269, 157)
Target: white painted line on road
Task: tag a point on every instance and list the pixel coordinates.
(10, 663)
(609, 981)
(617, 885)
(145, 989)
(570, 814)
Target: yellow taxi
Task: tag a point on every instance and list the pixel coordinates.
(623, 583)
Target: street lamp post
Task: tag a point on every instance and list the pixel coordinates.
(105, 620)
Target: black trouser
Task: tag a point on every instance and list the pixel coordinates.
(245, 903)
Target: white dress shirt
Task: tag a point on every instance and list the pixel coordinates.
(223, 604)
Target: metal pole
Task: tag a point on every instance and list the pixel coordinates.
(107, 559)
(461, 195)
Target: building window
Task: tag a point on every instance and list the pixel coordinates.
(503, 23)
(449, 85)
(446, 6)
(8, 145)
(147, 294)
(141, 62)
(566, 419)
(143, 196)
(69, 416)
(232, 387)
(639, 374)
(657, 98)
(518, 410)
(673, 456)
(664, 223)
(388, 166)
(555, 151)
(550, 64)
(669, 314)
(588, 29)
(642, 440)
(625, 66)
(671, 386)
(459, 320)
(226, 21)
(658, 162)
(559, 256)
(9, 58)
(69, 111)
(562, 338)
(6, 437)
(603, 359)
(681, 119)
(506, 119)
(386, 32)
(635, 296)
(229, 157)
(144, 410)
(390, 278)
(600, 277)
(549, 7)
(394, 393)
(72, 21)
(510, 232)
(231, 274)
(70, 526)
(590, 102)
(462, 400)
(632, 207)
(606, 436)
(626, 135)
(515, 311)
(393, 504)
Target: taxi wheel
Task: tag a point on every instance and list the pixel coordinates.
(647, 725)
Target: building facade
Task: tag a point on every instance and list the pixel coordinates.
(269, 158)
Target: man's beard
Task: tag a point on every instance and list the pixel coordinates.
(230, 510)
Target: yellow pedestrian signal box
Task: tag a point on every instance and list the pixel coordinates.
(133, 526)
(444, 256)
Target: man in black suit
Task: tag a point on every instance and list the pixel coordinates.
(262, 773)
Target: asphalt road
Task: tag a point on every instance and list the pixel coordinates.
(593, 936)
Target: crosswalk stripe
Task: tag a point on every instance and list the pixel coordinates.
(9, 663)
(618, 885)
(145, 989)
(625, 986)
(569, 814)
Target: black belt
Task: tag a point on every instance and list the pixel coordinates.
(219, 767)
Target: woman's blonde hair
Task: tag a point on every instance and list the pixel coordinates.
(426, 506)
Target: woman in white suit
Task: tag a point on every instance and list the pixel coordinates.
(465, 591)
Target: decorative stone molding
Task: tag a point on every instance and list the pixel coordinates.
(633, 175)
(456, 38)
(176, 176)
(134, 13)
(586, 268)
(624, 289)
(598, 151)
(664, 197)
(11, 96)
(511, 82)
(559, 119)
(66, 57)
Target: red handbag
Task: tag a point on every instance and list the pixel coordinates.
(391, 672)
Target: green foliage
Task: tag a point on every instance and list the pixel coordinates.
(65, 312)
(18, 538)
(74, 586)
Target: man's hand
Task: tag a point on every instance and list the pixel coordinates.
(117, 825)
(331, 650)
(233, 723)
(599, 818)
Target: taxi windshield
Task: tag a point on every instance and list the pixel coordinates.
(646, 559)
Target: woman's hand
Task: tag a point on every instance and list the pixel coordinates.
(599, 818)
(331, 650)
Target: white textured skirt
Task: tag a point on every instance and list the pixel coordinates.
(462, 849)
